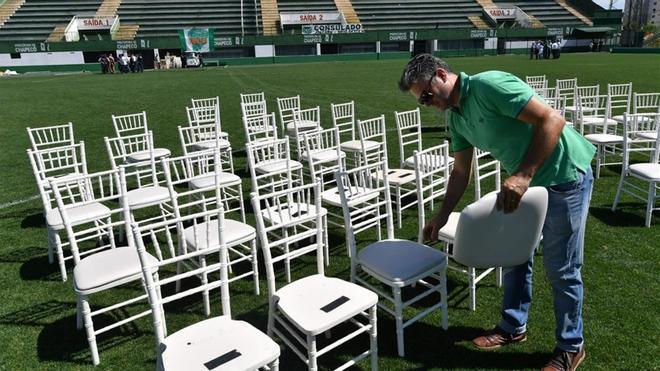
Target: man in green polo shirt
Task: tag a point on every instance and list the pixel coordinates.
(497, 112)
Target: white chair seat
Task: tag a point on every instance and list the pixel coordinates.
(619, 119)
(303, 125)
(210, 144)
(428, 159)
(77, 215)
(574, 109)
(326, 155)
(604, 138)
(647, 171)
(448, 232)
(303, 302)
(108, 268)
(396, 176)
(400, 260)
(145, 155)
(598, 121)
(147, 196)
(650, 135)
(212, 344)
(235, 233)
(206, 181)
(297, 210)
(356, 145)
(277, 167)
(331, 196)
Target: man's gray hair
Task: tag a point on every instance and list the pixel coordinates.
(421, 68)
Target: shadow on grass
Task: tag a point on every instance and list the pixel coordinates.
(34, 221)
(22, 254)
(620, 217)
(38, 269)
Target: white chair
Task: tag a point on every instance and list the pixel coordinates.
(308, 307)
(285, 108)
(432, 176)
(546, 92)
(144, 178)
(51, 136)
(271, 165)
(260, 127)
(343, 119)
(130, 149)
(132, 125)
(603, 130)
(559, 105)
(402, 181)
(50, 164)
(639, 132)
(620, 99)
(213, 102)
(321, 150)
(217, 343)
(303, 121)
(537, 82)
(198, 182)
(567, 88)
(486, 237)
(645, 102)
(409, 128)
(206, 137)
(398, 264)
(91, 208)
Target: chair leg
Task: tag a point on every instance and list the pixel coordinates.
(275, 365)
(311, 353)
(79, 318)
(255, 266)
(473, 288)
(60, 254)
(599, 159)
(287, 260)
(326, 240)
(398, 206)
(617, 197)
(398, 310)
(444, 316)
(498, 276)
(649, 204)
(373, 338)
(205, 293)
(271, 318)
(89, 328)
(51, 255)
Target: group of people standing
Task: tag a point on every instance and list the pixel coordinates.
(127, 64)
(596, 45)
(543, 49)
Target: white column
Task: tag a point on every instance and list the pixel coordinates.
(435, 46)
(318, 48)
(378, 47)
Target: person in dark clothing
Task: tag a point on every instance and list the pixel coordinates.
(140, 63)
(532, 50)
(104, 63)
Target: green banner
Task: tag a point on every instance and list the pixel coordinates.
(197, 40)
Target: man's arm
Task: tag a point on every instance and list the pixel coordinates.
(548, 125)
(456, 185)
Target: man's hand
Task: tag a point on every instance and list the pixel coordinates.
(513, 189)
(434, 225)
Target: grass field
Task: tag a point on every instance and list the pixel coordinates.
(37, 326)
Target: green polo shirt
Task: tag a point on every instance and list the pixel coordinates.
(486, 119)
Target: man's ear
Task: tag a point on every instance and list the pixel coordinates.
(442, 74)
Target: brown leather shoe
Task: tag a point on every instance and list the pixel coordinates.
(564, 361)
(496, 338)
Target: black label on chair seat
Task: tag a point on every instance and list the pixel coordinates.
(334, 304)
(217, 362)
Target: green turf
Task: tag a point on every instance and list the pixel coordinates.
(37, 327)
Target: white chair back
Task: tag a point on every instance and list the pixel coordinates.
(253, 109)
(129, 125)
(409, 128)
(121, 148)
(431, 176)
(373, 130)
(51, 136)
(253, 98)
(324, 142)
(343, 118)
(645, 102)
(486, 237)
(594, 110)
(566, 88)
(539, 81)
(286, 107)
(260, 127)
(620, 96)
(270, 153)
(638, 130)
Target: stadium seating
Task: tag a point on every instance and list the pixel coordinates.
(549, 12)
(391, 15)
(35, 20)
(165, 18)
(306, 6)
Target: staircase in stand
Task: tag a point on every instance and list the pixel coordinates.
(56, 35)
(479, 22)
(108, 8)
(564, 4)
(270, 15)
(126, 32)
(8, 9)
(346, 8)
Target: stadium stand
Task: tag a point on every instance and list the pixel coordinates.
(346, 7)
(550, 12)
(306, 6)
(35, 20)
(165, 17)
(269, 16)
(8, 8)
(389, 15)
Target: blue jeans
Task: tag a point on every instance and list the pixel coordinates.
(563, 248)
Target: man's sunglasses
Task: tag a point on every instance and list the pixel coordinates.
(426, 97)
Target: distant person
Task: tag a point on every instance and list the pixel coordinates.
(555, 50)
(532, 50)
(140, 63)
(156, 62)
(546, 50)
(592, 46)
(111, 63)
(132, 62)
(201, 61)
(184, 60)
(600, 45)
(124, 63)
(104, 63)
(539, 50)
